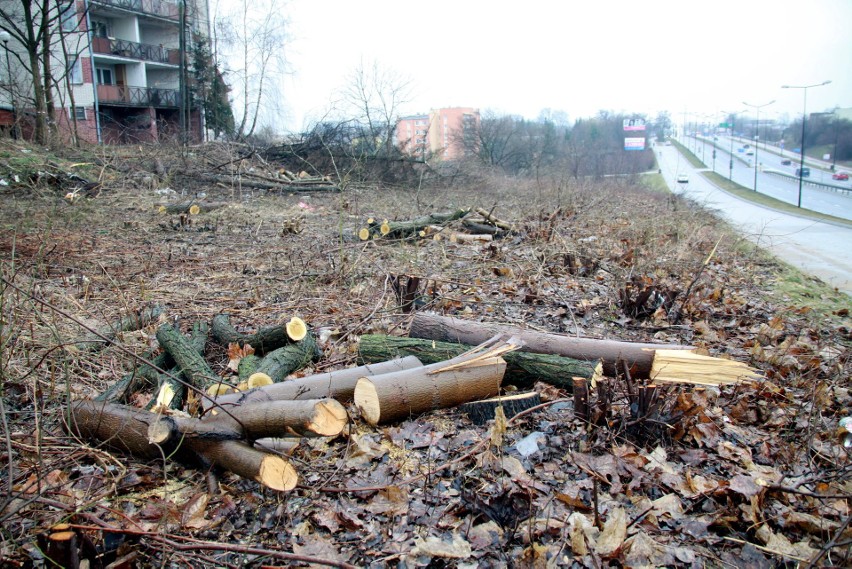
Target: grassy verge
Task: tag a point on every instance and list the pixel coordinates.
(798, 289)
(655, 183)
(767, 201)
(692, 158)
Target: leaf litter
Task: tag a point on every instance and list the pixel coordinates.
(747, 475)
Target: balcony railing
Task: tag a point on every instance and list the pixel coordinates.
(154, 7)
(128, 96)
(135, 50)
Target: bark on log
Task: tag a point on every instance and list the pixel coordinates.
(191, 364)
(307, 418)
(495, 221)
(401, 229)
(480, 412)
(482, 228)
(337, 385)
(476, 374)
(171, 388)
(280, 363)
(126, 429)
(127, 323)
(639, 356)
(243, 460)
(523, 369)
(263, 341)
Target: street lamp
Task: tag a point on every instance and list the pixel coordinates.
(5, 37)
(804, 115)
(757, 135)
(731, 126)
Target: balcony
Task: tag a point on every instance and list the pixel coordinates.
(133, 50)
(158, 8)
(128, 96)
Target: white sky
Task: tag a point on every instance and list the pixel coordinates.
(578, 56)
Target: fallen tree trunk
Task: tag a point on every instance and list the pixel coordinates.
(306, 418)
(263, 341)
(192, 365)
(283, 185)
(482, 228)
(638, 356)
(126, 429)
(476, 374)
(337, 385)
(400, 229)
(523, 369)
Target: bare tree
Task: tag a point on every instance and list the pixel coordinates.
(251, 38)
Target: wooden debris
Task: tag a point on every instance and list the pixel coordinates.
(403, 229)
(480, 412)
(677, 366)
(638, 355)
(338, 385)
(505, 225)
(128, 323)
(523, 369)
(476, 374)
(263, 341)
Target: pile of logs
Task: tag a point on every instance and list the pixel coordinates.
(214, 422)
(436, 226)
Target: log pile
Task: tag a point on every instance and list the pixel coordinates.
(247, 422)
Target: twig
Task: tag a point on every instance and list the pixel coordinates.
(766, 549)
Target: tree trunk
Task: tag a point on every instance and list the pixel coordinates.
(639, 356)
(401, 229)
(280, 363)
(476, 374)
(307, 418)
(191, 364)
(337, 385)
(243, 460)
(523, 369)
(263, 341)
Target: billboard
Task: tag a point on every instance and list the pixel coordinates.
(634, 124)
(634, 143)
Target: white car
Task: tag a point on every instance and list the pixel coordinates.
(682, 179)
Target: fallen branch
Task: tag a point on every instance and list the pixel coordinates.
(400, 229)
(476, 374)
(263, 341)
(128, 323)
(338, 385)
(523, 369)
(638, 355)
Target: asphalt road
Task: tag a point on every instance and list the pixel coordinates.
(816, 247)
(836, 201)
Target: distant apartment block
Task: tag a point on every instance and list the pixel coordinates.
(448, 133)
(122, 59)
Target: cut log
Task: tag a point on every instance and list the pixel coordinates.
(128, 323)
(337, 385)
(243, 460)
(307, 418)
(263, 341)
(523, 369)
(480, 412)
(482, 228)
(191, 364)
(476, 374)
(402, 229)
(171, 388)
(675, 366)
(280, 363)
(191, 207)
(281, 445)
(495, 221)
(126, 429)
(639, 356)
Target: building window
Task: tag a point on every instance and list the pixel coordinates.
(77, 112)
(100, 29)
(105, 76)
(68, 16)
(75, 71)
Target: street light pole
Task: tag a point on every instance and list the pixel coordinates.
(757, 135)
(804, 115)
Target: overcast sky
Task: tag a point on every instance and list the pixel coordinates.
(578, 56)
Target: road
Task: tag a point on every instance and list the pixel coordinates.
(815, 247)
(836, 201)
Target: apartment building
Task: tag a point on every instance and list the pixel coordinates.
(123, 63)
(448, 133)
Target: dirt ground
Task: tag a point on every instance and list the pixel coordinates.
(752, 475)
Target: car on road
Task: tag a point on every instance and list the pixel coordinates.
(749, 152)
(682, 179)
(805, 172)
(840, 176)
(786, 162)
